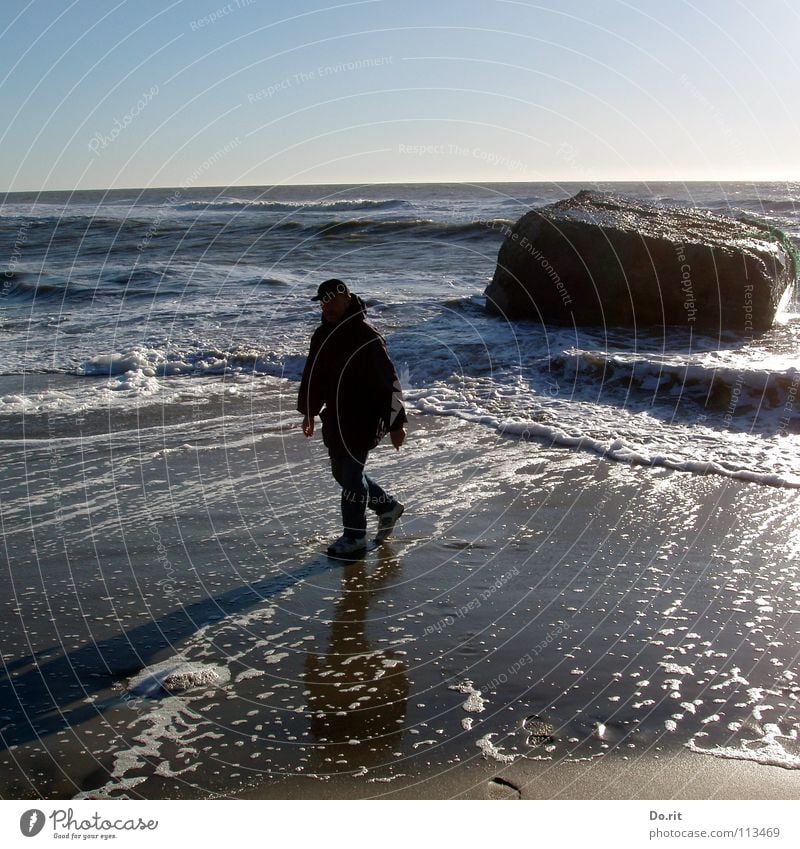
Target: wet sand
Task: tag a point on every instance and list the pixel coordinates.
(677, 774)
(563, 623)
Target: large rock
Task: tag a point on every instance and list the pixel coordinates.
(601, 259)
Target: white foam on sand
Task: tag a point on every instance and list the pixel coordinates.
(490, 751)
(475, 703)
(615, 432)
(674, 668)
(168, 720)
(249, 673)
(176, 674)
(768, 750)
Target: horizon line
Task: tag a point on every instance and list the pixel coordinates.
(640, 180)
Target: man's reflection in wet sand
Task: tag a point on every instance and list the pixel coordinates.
(357, 693)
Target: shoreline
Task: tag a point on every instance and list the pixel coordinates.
(678, 775)
(547, 601)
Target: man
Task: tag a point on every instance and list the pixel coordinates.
(350, 381)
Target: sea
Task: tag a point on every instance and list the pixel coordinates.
(142, 295)
(599, 557)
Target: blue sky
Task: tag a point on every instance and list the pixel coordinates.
(136, 93)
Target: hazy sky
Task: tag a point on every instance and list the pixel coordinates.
(134, 93)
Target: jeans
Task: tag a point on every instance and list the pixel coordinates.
(358, 491)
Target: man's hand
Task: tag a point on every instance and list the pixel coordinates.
(308, 425)
(398, 437)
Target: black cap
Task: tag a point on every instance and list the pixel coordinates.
(330, 289)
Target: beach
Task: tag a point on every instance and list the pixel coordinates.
(575, 227)
(575, 627)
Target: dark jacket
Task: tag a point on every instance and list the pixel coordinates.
(350, 380)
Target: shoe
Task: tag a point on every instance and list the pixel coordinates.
(387, 521)
(347, 546)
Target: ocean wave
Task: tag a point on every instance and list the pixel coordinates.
(761, 206)
(83, 222)
(97, 237)
(288, 206)
(128, 380)
(195, 361)
(28, 288)
(622, 451)
(417, 227)
(567, 412)
(361, 227)
(782, 211)
(24, 288)
(614, 433)
(268, 282)
(725, 391)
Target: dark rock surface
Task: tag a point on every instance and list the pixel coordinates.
(599, 259)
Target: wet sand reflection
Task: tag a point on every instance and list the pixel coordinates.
(357, 693)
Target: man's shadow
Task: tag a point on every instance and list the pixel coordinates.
(41, 696)
(357, 693)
